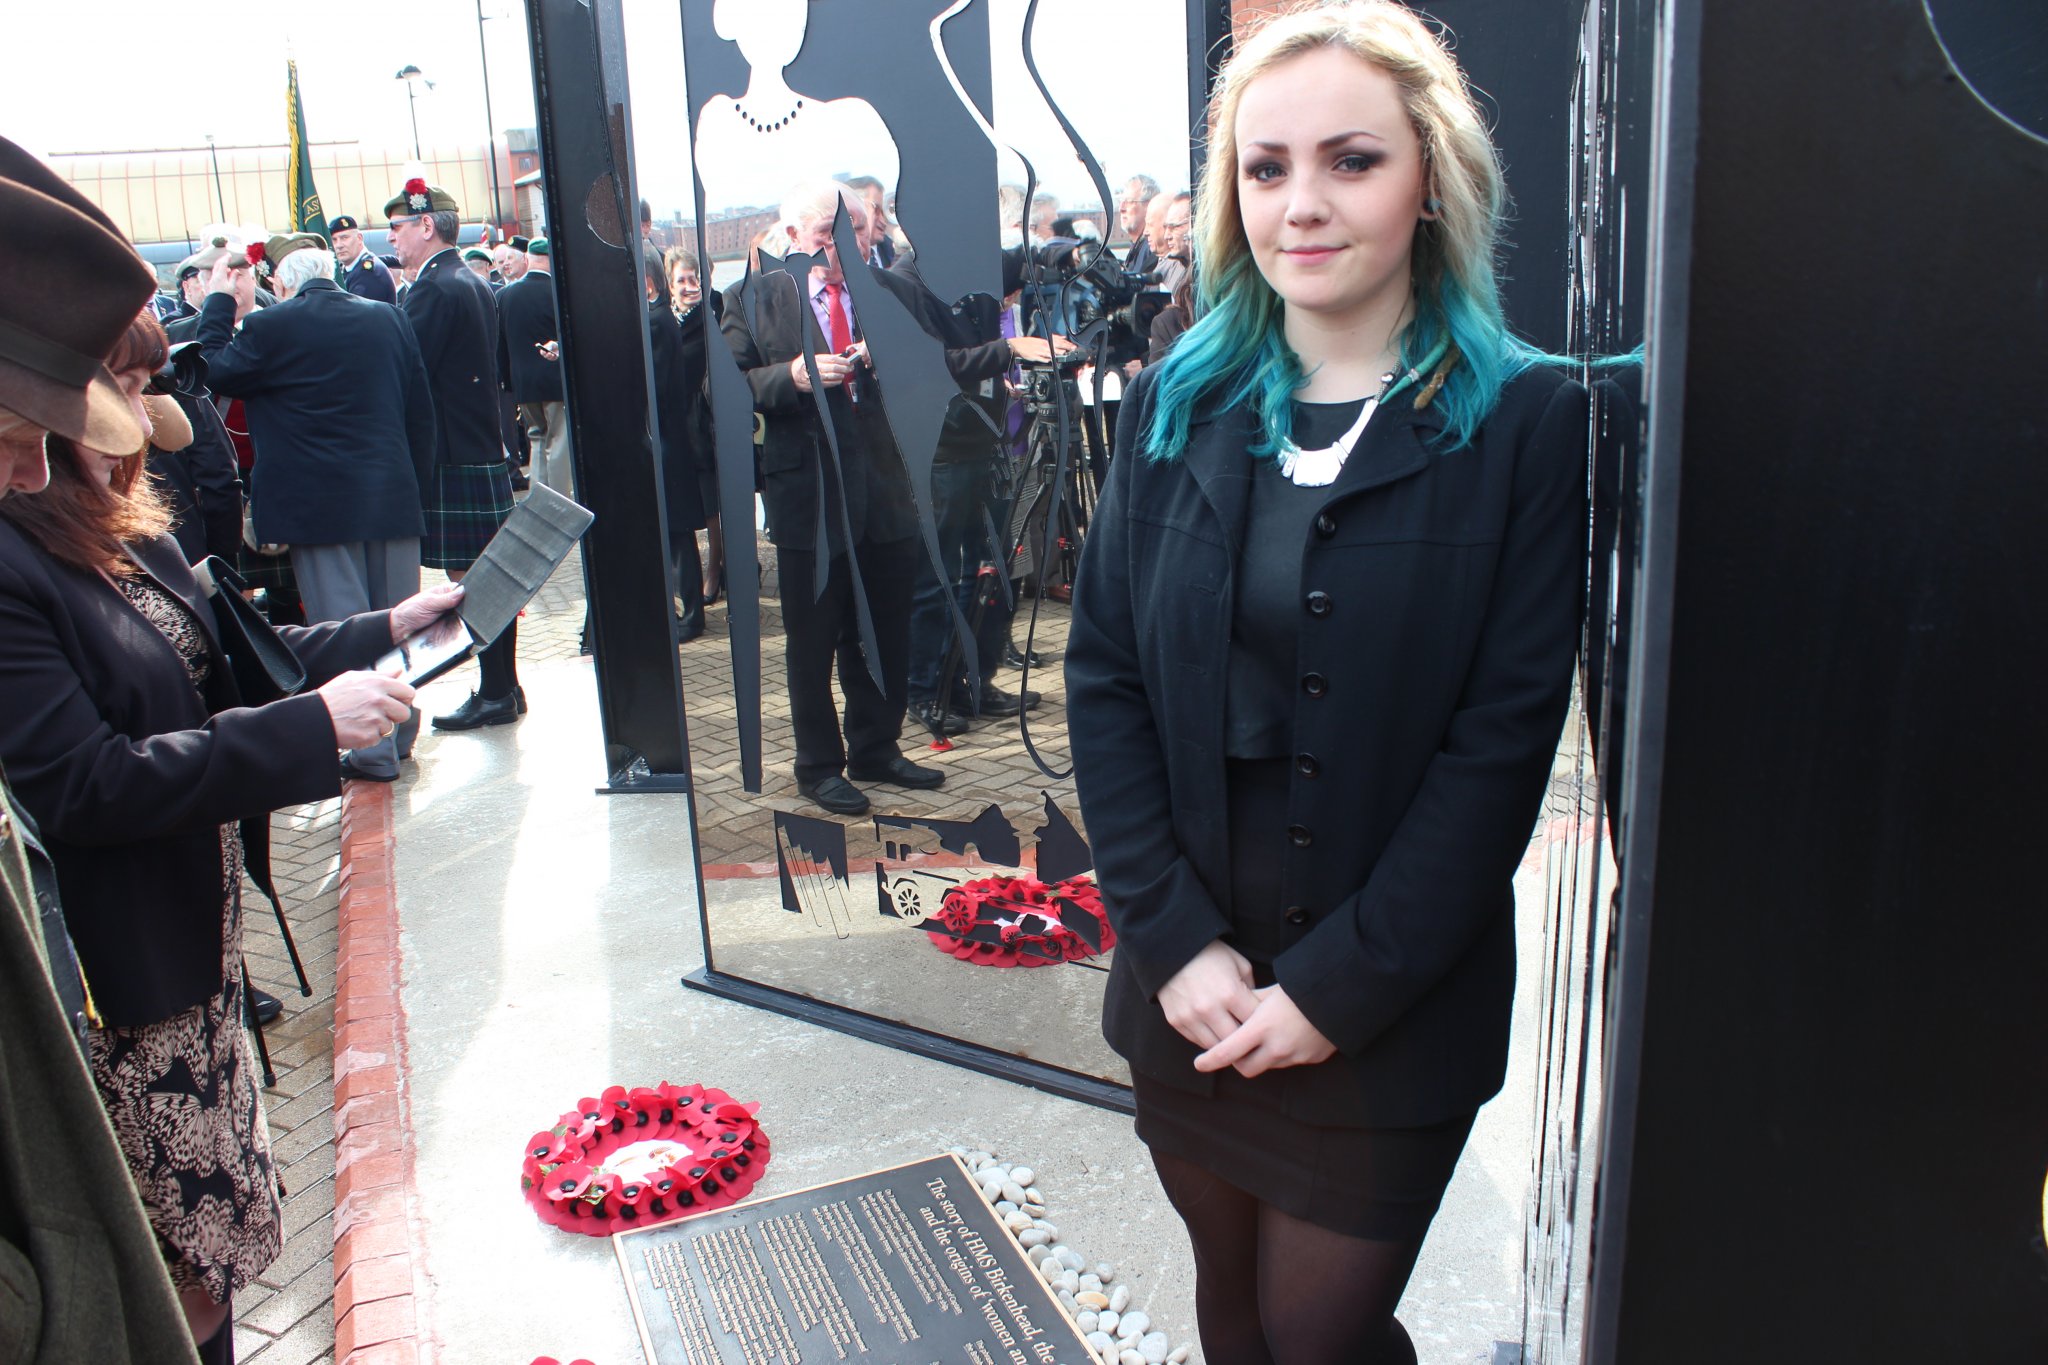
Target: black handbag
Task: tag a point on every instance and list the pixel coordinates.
(263, 665)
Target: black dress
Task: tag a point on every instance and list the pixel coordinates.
(1379, 1183)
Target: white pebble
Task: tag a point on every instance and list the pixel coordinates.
(1129, 1357)
(1034, 1198)
(1120, 1297)
(1070, 1283)
(990, 1180)
(1023, 1175)
(1068, 1299)
(1090, 1280)
(1016, 1220)
(977, 1160)
(1085, 1320)
(1013, 1192)
(1069, 1258)
(1033, 1237)
(1179, 1355)
(1050, 1230)
(1005, 1206)
(1107, 1321)
(1101, 1342)
(1092, 1299)
(1137, 1322)
(1104, 1271)
(1050, 1269)
(1154, 1348)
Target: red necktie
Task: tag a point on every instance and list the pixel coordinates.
(841, 330)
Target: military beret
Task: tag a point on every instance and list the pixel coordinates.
(420, 197)
(342, 223)
(537, 247)
(521, 244)
(477, 254)
(282, 245)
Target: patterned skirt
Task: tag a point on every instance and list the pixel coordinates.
(182, 1095)
(469, 503)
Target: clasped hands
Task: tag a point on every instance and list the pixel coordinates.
(1211, 1002)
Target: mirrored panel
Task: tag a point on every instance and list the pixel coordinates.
(896, 403)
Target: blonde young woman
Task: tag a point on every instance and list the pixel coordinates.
(1321, 654)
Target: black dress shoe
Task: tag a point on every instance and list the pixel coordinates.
(519, 697)
(520, 483)
(351, 773)
(899, 772)
(926, 713)
(480, 711)
(1012, 658)
(998, 703)
(266, 1006)
(835, 794)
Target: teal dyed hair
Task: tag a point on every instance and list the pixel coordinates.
(1236, 354)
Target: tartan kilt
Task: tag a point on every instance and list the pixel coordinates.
(273, 572)
(469, 503)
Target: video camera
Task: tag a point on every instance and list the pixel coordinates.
(1078, 283)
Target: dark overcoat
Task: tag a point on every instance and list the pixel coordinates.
(131, 772)
(202, 484)
(337, 402)
(1441, 593)
(526, 316)
(796, 464)
(456, 320)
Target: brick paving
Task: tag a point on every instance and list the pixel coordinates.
(287, 1316)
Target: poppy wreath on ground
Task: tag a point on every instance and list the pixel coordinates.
(1018, 922)
(633, 1158)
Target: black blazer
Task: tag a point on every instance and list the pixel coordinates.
(456, 321)
(1441, 597)
(795, 461)
(338, 409)
(131, 773)
(202, 484)
(526, 315)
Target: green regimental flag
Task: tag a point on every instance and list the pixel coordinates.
(305, 212)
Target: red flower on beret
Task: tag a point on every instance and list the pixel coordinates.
(417, 197)
(255, 253)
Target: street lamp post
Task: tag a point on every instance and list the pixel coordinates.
(483, 57)
(218, 197)
(411, 75)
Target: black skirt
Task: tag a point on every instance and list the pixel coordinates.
(1379, 1183)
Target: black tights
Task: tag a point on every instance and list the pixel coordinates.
(1271, 1289)
(219, 1349)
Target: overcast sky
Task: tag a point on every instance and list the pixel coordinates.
(115, 75)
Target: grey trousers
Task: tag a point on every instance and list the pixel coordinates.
(338, 581)
(551, 463)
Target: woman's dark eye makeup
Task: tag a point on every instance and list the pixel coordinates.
(1351, 162)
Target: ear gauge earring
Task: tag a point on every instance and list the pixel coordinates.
(1432, 207)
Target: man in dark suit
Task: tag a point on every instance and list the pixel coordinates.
(336, 394)
(526, 335)
(470, 493)
(866, 517)
(362, 274)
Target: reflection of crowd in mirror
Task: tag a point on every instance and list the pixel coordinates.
(689, 476)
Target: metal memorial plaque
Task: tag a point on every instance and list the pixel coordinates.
(905, 1266)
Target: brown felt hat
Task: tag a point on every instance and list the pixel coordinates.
(69, 287)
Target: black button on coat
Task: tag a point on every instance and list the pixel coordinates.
(1446, 676)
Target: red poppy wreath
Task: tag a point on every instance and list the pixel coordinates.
(1020, 922)
(633, 1158)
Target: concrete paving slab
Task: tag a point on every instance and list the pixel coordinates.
(544, 931)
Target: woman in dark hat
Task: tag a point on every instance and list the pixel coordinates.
(126, 739)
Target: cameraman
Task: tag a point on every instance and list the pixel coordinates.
(982, 352)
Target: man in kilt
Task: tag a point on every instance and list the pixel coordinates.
(456, 322)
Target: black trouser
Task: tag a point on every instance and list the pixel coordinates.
(819, 629)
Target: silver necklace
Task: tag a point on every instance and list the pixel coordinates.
(1320, 467)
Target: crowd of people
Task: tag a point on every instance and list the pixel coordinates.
(1322, 641)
